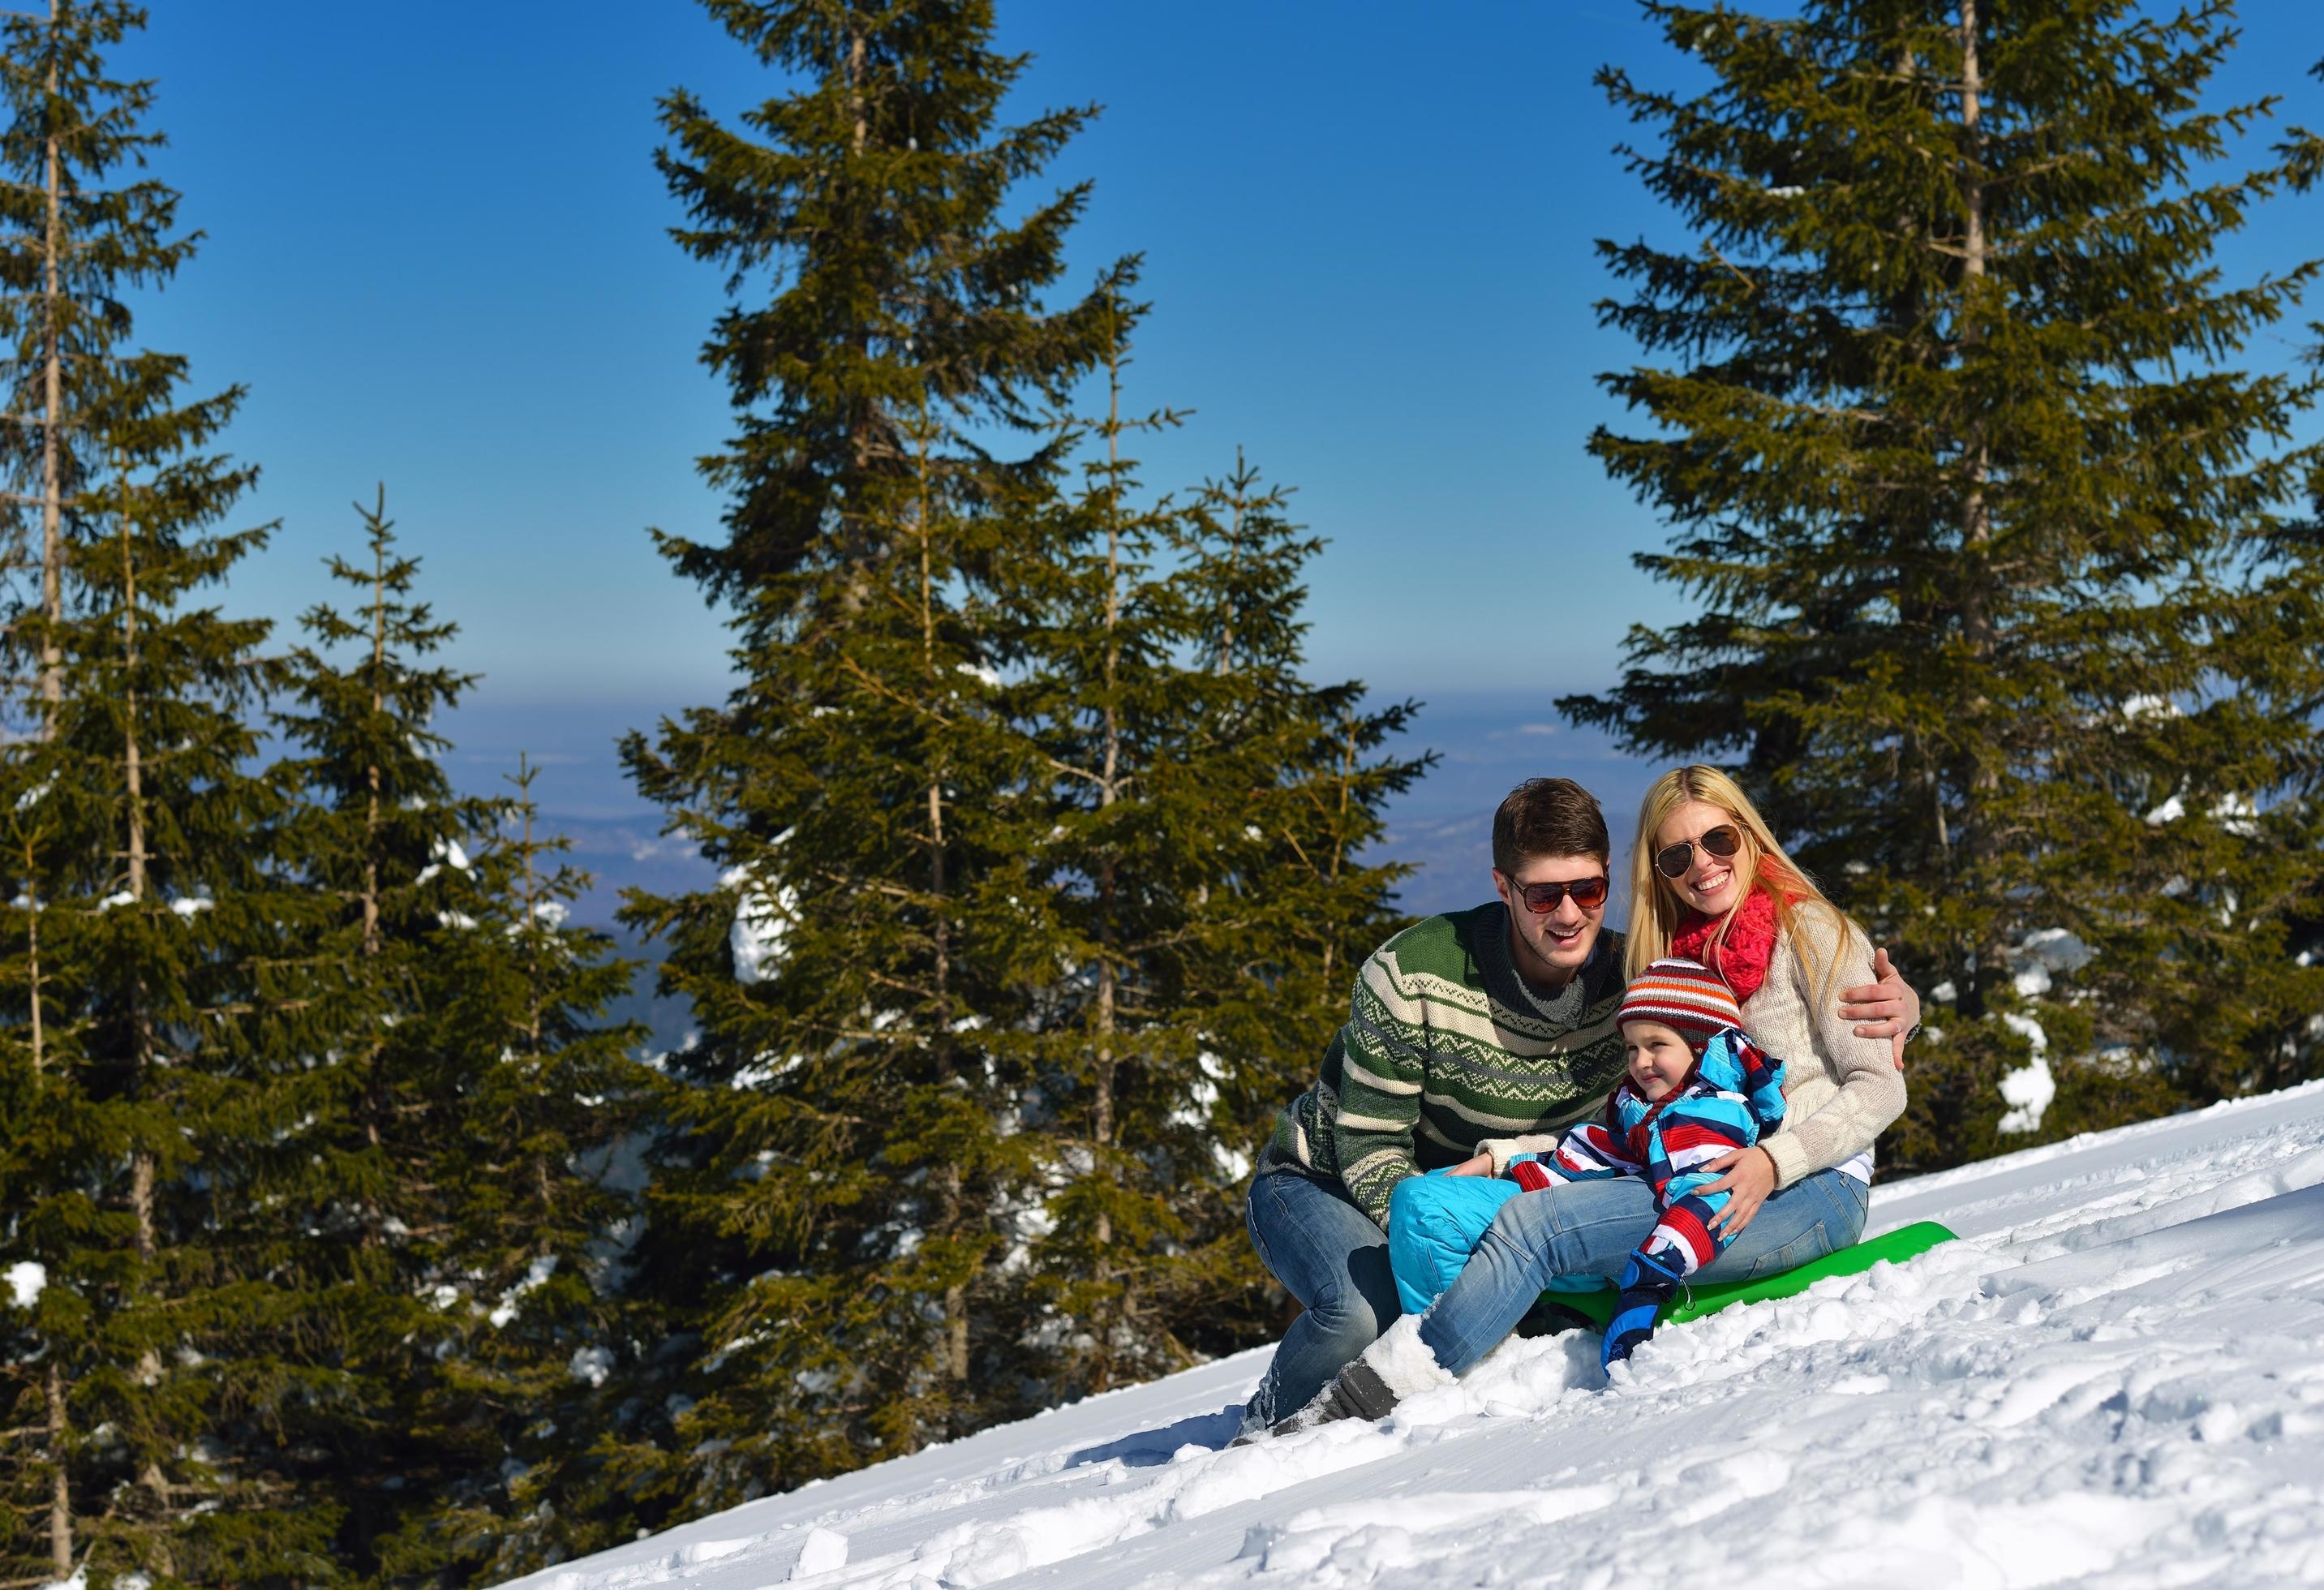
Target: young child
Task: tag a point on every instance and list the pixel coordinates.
(1695, 1088)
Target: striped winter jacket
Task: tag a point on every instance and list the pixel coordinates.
(1734, 1094)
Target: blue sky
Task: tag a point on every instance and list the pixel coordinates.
(436, 256)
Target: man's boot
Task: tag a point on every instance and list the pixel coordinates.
(1397, 1366)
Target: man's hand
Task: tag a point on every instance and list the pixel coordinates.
(1750, 1177)
(1887, 1009)
(1482, 1165)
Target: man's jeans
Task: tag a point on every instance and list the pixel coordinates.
(1328, 1254)
(1589, 1228)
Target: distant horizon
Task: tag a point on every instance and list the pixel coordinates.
(1442, 825)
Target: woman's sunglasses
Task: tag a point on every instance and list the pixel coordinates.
(1541, 899)
(1673, 860)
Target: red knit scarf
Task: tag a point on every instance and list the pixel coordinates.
(1741, 956)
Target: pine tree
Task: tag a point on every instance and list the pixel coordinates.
(180, 1372)
(41, 1153)
(841, 1170)
(1188, 871)
(155, 939)
(1306, 905)
(72, 243)
(2000, 614)
(377, 838)
(525, 1359)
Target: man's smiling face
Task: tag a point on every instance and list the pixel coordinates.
(1551, 946)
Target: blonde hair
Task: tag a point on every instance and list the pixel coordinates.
(1656, 912)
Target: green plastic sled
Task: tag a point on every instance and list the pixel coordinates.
(1906, 1242)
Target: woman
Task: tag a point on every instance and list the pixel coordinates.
(1708, 880)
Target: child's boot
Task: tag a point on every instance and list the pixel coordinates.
(1646, 1285)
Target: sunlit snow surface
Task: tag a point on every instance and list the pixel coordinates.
(2117, 1378)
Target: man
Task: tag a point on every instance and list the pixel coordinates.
(1490, 1022)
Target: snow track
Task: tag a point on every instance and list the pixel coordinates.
(2117, 1378)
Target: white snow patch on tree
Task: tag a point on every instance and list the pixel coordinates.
(762, 1069)
(2237, 816)
(592, 1365)
(761, 921)
(1202, 1094)
(26, 1282)
(2044, 953)
(448, 854)
(2028, 1090)
(535, 1274)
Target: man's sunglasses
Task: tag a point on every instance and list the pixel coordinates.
(1541, 899)
(1673, 860)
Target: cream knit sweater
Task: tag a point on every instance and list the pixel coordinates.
(1839, 1091)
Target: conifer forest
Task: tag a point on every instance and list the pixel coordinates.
(352, 1238)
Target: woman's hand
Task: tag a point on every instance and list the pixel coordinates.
(1750, 1177)
(1482, 1165)
(1887, 1009)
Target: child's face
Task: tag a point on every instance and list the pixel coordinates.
(1656, 1057)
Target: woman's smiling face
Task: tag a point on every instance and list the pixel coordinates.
(1711, 883)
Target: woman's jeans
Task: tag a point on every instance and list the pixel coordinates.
(1590, 1228)
(1328, 1254)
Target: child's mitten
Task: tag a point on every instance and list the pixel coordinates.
(1646, 1285)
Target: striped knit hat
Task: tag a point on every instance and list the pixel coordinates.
(1683, 995)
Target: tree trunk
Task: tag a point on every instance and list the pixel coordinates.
(1108, 786)
(33, 958)
(371, 774)
(1979, 783)
(53, 582)
(855, 511)
(141, 1157)
(949, 1180)
(531, 919)
(1223, 663)
(60, 1529)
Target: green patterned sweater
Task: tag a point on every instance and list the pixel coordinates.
(1446, 1046)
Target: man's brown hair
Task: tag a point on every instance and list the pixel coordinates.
(1548, 816)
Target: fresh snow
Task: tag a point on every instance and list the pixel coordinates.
(2117, 1377)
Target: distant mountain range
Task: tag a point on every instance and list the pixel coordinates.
(1487, 743)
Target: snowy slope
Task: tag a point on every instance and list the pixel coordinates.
(2117, 1377)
